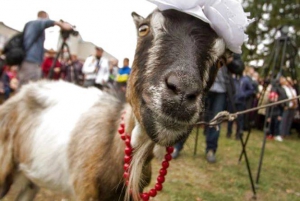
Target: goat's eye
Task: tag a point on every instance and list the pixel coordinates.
(144, 30)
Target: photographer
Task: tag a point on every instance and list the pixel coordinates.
(33, 41)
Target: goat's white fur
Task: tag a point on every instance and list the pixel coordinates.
(50, 140)
(219, 48)
(157, 27)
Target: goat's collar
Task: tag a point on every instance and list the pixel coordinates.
(127, 159)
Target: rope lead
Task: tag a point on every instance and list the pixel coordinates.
(226, 116)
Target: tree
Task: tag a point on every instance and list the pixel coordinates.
(270, 16)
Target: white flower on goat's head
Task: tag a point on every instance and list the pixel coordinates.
(226, 17)
(183, 5)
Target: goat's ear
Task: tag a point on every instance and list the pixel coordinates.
(137, 18)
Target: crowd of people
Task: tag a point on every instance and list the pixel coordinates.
(95, 71)
(279, 117)
(237, 88)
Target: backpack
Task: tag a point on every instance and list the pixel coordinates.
(14, 50)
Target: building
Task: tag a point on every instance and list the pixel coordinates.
(6, 33)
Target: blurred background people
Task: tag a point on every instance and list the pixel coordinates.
(216, 99)
(10, 80)
(72, 70)
(274, 114)
(244, 90)
(123, 73)
(249, 76)
(122, 78)
(96, 70)
(113, 72)
(47, 72)
(289, 109)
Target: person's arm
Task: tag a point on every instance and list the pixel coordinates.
(46, 23)
(63, 25)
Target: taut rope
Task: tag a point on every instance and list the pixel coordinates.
(226, 116)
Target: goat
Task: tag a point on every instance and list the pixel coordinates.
(63, 137)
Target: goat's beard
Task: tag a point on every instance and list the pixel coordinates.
(164, 131)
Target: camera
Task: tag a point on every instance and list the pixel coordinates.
(66, 33)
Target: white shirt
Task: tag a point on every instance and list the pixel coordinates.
(89, 69)
(291, 93)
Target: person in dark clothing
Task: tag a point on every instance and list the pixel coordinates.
(249, 72)
(216, 102)
(72, 71)
(30, 68)
(243, 90)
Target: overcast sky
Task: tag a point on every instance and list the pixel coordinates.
(106, 23)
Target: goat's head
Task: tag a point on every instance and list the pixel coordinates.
(174, 66)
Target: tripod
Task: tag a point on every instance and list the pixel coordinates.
(283, 54)
(64, 45)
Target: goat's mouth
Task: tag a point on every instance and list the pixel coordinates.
(165, 130)
(170, 114)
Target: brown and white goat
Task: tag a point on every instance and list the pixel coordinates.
(62, 137)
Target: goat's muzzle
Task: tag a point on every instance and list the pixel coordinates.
(180, 99)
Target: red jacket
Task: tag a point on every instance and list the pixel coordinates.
(46, 66)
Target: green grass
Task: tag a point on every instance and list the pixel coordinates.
(192, 178)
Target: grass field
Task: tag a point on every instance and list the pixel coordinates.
(191, 178)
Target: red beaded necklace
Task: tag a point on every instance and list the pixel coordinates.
(127, 159)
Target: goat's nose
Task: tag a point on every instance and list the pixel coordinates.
(182, 87)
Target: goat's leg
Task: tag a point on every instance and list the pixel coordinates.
(26, 190)
(4, 188)
(86, 192)
(28, 193)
